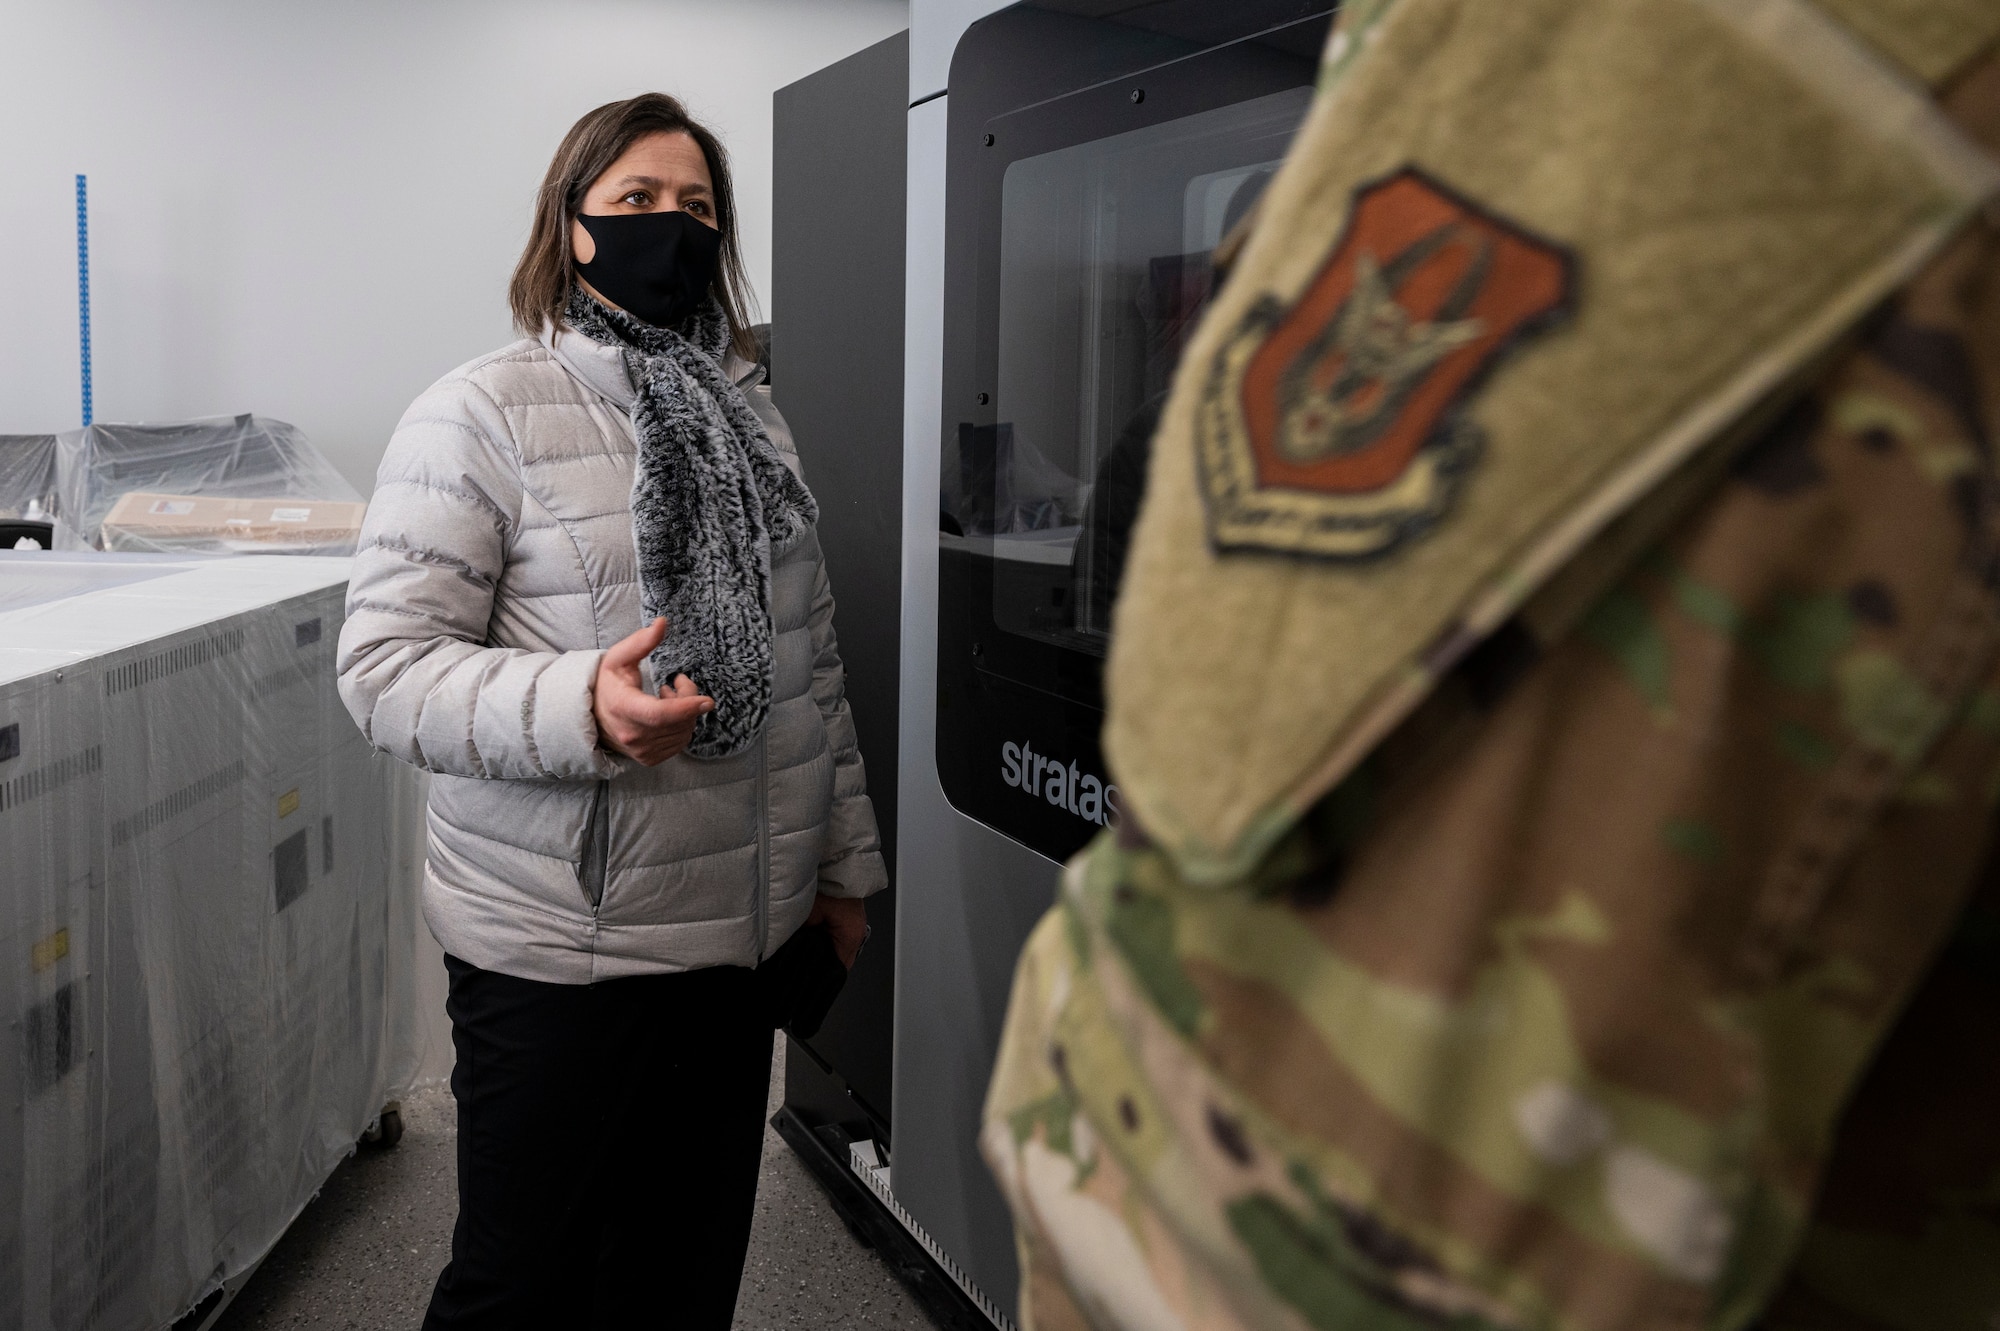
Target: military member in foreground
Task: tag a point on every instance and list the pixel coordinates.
(1579, 911)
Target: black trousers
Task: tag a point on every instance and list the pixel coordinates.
(608, 1143)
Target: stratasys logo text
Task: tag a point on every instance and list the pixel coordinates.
(1080, 793)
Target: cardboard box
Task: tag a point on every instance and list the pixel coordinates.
(142, 521)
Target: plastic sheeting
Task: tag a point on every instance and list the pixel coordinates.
(226, 457)
(27, 474)
(28, 484)
(76, 478)
(209, 929)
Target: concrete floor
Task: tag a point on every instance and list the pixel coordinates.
(365, 1252)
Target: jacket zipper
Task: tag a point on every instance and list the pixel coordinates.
(763, 845)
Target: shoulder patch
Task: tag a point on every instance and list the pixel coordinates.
(1333, 426)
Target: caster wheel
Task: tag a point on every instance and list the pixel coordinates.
(386, 1130)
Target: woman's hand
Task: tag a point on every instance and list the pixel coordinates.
(846, 919)
(631, 721)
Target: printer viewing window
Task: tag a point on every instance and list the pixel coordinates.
(1082, 227)
(1104, 271)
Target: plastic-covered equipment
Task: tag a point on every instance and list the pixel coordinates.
(27, 474)
(28, 504)
(209, 931)
(224, 457)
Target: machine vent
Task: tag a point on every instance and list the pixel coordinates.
(284, 677)
(187, 656)
(865, 1159)
(169, 807)
(46, 780)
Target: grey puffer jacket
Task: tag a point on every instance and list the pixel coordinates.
(495, 566)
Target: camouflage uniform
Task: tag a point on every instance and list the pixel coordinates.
(1568, 911)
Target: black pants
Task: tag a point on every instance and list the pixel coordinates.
(608, 1144)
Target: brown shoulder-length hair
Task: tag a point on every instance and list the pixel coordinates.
(542, 279)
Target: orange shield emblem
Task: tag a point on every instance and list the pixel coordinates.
(1334, 426)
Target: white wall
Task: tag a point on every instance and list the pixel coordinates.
(310, 210)
(935, 27)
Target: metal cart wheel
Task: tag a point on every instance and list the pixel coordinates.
(387, 1129)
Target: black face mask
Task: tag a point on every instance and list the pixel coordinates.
(657, 266)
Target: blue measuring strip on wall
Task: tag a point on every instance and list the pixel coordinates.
(83, 287)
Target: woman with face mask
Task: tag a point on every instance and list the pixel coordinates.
(589, 600)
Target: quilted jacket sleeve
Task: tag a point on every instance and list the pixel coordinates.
(852, 866)
(415, 669)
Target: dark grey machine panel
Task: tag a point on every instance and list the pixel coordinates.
(837, 374)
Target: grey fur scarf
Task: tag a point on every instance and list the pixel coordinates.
(711, 497)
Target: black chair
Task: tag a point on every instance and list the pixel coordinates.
(14, 530)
